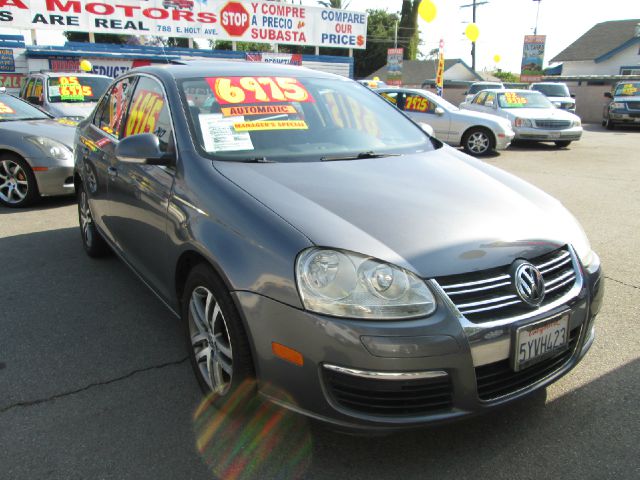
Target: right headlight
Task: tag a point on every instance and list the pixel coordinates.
(347, 284)
(617, 105)
(521, 122)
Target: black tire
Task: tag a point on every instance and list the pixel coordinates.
(92, 241)
(609, 125)
(562, 143)
(18, 186)
(478, 141)
(203, 280)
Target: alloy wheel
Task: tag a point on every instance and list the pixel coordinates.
(14, 185)
(478, 142)
(210, 340)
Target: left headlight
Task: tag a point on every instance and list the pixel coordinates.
(577, 123)
(51, 148)
(347, 284)
(617, 106)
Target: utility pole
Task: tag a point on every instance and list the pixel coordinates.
(395, 37)
(535, 30)
(475, 4)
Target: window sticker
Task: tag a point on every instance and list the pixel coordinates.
(219, 134)
(629, 89)
(236, 90)
(270, 125)
(144, 112)
(390, 98)
(258, 110)
(71, 89)
(515, 100)
(4, 108)
(416, 103)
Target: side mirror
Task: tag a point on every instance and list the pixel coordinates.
(143, 148)
(439, 111)
(489, 104)
(608, 95)
(34, 100)
(572, 95)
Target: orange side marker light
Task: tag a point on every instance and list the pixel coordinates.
(286, 353)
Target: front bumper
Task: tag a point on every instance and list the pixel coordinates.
(433, 355)
(625, 117)
(548, 135)
(56, 180)
(503, 140)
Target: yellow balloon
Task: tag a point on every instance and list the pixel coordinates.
(376, 79)
(496, 58)
(472, 32)
(85, 66)
(427, 10)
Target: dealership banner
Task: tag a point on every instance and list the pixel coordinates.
(266, 22)
(279, 58)
(394, 66)
(440, 70)
(532, 58)
(100, 66)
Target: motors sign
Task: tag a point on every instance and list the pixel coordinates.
(266, 22)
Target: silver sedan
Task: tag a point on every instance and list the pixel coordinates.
(36, 157)
(531, 114)
(477, 133)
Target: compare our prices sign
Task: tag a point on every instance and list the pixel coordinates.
(267, 22)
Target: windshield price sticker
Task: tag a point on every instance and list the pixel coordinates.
(219, 134)
(258, 110)
(235, 90)
(272, 125)
(416, 104)
(144, 113)
(513, 98)
(71, 89)
(629, 89)
(4, 108)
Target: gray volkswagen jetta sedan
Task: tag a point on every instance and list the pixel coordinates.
(312, 237)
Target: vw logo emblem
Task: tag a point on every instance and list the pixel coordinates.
(529, 284)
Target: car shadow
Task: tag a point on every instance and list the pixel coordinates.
(531, 146)
(45, 203)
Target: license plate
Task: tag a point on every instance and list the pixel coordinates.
(535, 342)
(554, 135)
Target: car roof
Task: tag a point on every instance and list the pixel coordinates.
(209, 68)
(486, 83)
(67, 74)
(505, 90)
(548, 83)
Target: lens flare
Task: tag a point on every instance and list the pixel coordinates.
(246, 436)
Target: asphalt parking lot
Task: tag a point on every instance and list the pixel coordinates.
(94, 381)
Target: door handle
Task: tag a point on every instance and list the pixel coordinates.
(113, 171)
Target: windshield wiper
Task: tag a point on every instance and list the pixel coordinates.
(256, 160)
(359, 156)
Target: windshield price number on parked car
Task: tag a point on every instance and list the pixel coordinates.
(75, 91)
(416, 104)
(6, 108)
(513, 98)
(235, 90)
(538, 341)
(629, 89)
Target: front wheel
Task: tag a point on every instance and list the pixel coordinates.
(477, 142)
(217, 343)
(92, 240)
(18, 187)
(562, 143)
(609, 124)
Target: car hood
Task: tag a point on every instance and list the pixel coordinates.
(82, 109)
(535, 113)
(626, 99)
(437, 213)
(49, 128)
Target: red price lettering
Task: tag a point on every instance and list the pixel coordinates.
(235, 90)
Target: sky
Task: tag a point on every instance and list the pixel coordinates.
(502, 25)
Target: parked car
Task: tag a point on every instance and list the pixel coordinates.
(480, 86)
(531, 114)
(36, 156)
(623, 107)
(557, 93)
(310, 235)
(478, 133)
(64, 94)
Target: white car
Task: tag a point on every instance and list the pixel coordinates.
(477, 133)
(557, 93)
(531, 114)
(477, 87)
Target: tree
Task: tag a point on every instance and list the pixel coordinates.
(408, 37)
(507, 77)
(240, 46)
(334, 4)
(100, 37)
(380, 35)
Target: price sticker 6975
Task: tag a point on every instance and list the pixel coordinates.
(235, 90)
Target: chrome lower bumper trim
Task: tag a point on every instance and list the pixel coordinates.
(386, 375)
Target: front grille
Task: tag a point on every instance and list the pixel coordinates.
(389, 397)
(490, 295)
(633, 105)
(498, 379)
(552, 124)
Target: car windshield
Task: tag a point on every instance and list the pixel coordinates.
(295, 119)
(76, 88)
(478, 87)
(556, 90)
(631, 89)
(13, 109)
(520, 99)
